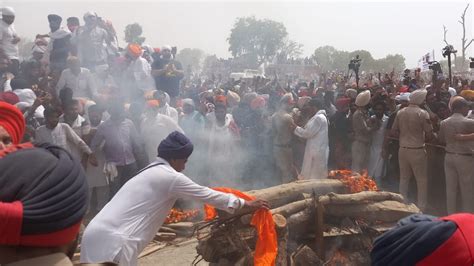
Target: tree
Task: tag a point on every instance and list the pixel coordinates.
(290, 49)
(461, 61)
(259, 39)
(329, 58)
(464, 42)
(191, 57)
(133, 34)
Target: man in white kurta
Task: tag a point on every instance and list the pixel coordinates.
(315, 161)
(132, 218)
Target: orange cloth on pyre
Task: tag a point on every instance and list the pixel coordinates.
(266, 249)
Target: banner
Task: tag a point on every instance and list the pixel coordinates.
(423, 63)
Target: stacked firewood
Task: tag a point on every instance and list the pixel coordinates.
(308, 216)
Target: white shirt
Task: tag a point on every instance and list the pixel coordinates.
(79, 125)
(124, 227)
(7, 34)
(169, 111)
(317, 146)
(63, 136)
(140, 70)
(82, 85)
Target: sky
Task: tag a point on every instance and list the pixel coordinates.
(383, 27)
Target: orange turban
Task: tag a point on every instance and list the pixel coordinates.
(153, 103)
(221, 99)
(467, 94)
(12, 120)
(135, 50)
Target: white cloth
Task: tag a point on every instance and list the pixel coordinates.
(81, 128)
(132, 218)
(155, 129)
(7, 34)
(169, 111)
(376, 161)
(452, 91)
(63, 136)
(110, 171)
(82, 85)
(140, 70)
(58, 34)
(80, 125)
(316, 153)
(91, 44)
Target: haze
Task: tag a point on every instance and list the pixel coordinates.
(408, 28)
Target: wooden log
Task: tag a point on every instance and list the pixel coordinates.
(181, 226)
(361, 197)
(285, 210)
(290, 192)
(282, 233)
(319, 230)
(300, 223)
(165, 236)
(385, 211)
(280, 221)
(306, 256)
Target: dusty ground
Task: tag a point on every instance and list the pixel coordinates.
(180, 254)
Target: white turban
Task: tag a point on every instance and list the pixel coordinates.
(405, 96)
(418, 96)
(188, 101)
(166, 47)
(89, 14)
(7, 11)
(363, 98)
(26, 95)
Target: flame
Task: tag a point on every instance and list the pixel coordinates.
(177, 215)
(354, 181)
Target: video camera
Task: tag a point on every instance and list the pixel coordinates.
(354, 64)
(449, 49)
(435, 66)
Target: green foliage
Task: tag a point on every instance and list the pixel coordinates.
(133, 34)
(330, 59)
(255, 38)
(191, 57)
(290, 49)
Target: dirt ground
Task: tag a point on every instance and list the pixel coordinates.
(180, 254)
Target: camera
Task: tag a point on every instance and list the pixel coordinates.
(354, 64)
(449, 49)
(435, 66)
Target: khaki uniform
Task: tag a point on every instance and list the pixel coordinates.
(413, 123)
(282, 151)
(458, 162)
(361, 143)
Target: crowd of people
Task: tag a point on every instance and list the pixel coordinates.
(111, 108)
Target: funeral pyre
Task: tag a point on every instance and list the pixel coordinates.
(317, 222)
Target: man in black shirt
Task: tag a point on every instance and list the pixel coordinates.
(167, 73)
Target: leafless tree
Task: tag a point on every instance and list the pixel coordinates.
(445, 31)
(465, 42)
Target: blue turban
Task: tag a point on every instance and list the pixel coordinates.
(175, 146)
